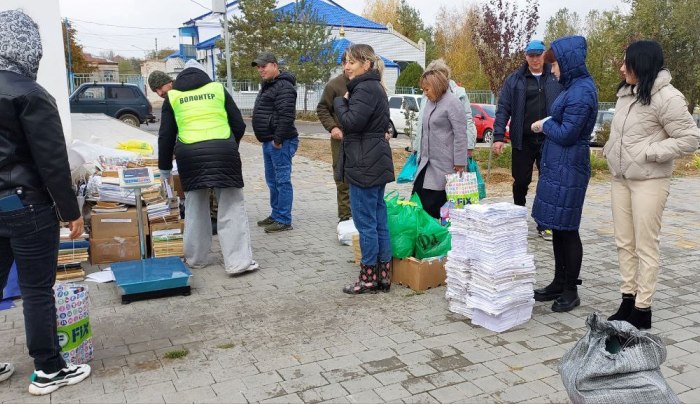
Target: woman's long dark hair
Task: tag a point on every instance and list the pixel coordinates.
(645, 59)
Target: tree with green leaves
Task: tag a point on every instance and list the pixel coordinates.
(307, 50)
(77, 58)
(677, 33)
(129, 65)
(607, 37)
(562, 23)
(253, 31)
(410, 76)
(502, 34)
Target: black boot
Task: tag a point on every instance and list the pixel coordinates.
(566, 301)
(625, 308)
(384, 269)
(367, 283)
(640, 318)
(554, 289)
(549, 292)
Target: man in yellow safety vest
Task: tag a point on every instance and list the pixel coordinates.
(201, 123)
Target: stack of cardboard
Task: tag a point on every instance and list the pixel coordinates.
(71, 254)
(490, 275)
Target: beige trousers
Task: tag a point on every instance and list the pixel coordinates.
(637, 207)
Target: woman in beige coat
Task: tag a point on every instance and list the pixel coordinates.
(651, 128)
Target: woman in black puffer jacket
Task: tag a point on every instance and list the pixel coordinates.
(366, 163)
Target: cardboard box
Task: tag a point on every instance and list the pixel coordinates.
(177, 186)
(417, 274)
(119, 224)
(115, 249)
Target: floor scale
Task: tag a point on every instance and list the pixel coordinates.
(147, 278)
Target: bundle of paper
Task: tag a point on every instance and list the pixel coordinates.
(107, 207)
(490, 276)
(167, 239)
(71, 254)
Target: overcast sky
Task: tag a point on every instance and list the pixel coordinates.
(102, 25)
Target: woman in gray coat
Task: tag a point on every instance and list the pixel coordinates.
(444, 143)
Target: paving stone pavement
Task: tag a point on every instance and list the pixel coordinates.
(287, 333)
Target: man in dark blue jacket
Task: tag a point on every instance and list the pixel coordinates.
(526, 97)
(273, 123)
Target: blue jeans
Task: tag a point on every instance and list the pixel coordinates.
(29, 236)
(369, 215)
(278, 175)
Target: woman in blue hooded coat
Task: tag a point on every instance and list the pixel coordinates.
(565, 168)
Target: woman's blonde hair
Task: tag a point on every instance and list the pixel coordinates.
(441, 66)
(362, 53)
(436, 80)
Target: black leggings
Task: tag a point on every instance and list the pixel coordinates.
(431, 200)
(568, 255)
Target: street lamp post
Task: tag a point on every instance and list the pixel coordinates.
(220, 7)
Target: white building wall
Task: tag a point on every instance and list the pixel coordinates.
(52, 69)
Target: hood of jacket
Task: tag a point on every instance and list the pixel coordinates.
(663, 78)
(191, 78)
(370, 75)
(284, 75)
(20, 44)
(570, 53)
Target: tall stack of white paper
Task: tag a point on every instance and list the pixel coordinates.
(490, 276)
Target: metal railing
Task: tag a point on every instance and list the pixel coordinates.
(245, 93)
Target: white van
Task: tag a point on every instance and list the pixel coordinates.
(399, 106)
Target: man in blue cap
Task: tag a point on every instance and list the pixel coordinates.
(526, 97)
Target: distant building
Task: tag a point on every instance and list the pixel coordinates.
(198, 38)
(105, 69)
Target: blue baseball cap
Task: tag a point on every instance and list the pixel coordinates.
(535, 47)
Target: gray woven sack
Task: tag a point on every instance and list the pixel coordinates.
(591, 374)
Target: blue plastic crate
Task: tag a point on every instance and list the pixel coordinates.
(150, 275)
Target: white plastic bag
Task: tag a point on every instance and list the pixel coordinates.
(346, 229)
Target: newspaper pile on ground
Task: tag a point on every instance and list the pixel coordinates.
(490, 276)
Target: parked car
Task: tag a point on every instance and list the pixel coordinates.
(125, 102)
(399, 105)
(484, 116)
(602, 122)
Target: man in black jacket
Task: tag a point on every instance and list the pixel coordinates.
(526, 97)
(201, 123)
(273, 123)
(35, 192)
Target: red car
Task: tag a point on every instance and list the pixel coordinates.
(484, 116)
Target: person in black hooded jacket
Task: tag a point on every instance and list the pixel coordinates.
(201, 123)
(366, 164)
(35, 193)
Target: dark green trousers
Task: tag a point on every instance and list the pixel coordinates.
(342, 190)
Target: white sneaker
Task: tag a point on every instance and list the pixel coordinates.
(252, 267)
(43, 383)
(6, 370)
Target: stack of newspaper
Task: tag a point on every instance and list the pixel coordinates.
(490, 276)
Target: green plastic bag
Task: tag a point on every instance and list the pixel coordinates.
(402, 222)
(433, 240)
(473, 167)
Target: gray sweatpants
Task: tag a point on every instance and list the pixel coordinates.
(232, 227)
